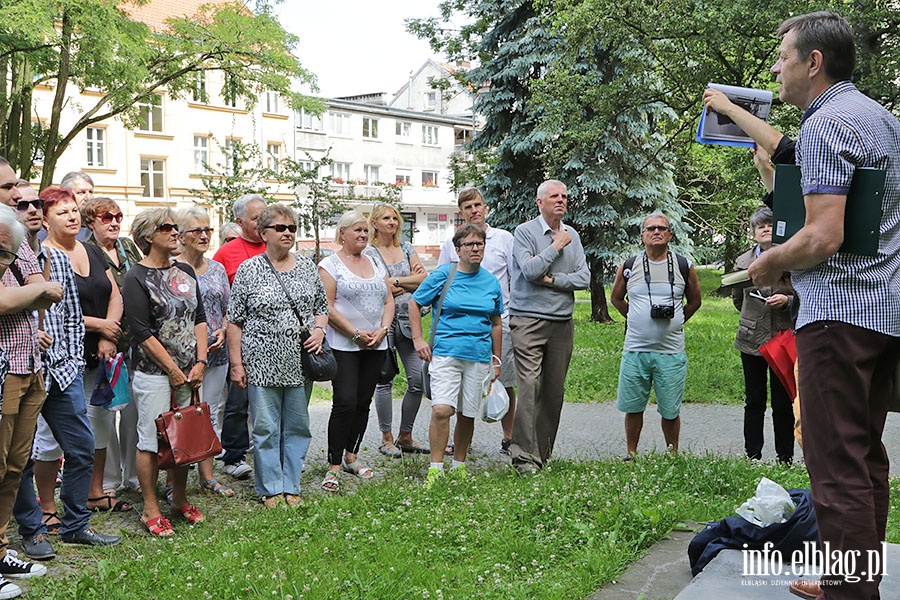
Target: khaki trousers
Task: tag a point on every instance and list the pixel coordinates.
(543, 349)
(23, 398)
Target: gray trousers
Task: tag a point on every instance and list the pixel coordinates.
(543, 349)
(384, 404)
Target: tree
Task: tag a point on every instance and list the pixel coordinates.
(316, 200)
(242, 172)
(93, 44)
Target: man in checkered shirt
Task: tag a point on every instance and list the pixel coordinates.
(848, 329)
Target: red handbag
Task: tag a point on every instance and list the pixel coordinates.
(186, 435)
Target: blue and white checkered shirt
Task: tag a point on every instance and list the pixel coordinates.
(843, 130)
(64, 321)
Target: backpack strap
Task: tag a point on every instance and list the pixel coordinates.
(628, 265)
(683, 267)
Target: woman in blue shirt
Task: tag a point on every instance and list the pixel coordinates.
(467, 342)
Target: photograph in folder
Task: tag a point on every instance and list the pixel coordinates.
(716, 128)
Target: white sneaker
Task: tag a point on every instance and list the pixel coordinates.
(8, 589)
(14, 568)
(239, 470)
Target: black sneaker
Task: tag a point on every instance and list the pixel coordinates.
(504, 447)
(9, 590)
(37, 547)
(14, 568)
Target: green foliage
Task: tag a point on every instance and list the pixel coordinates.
(56, 42)
(562, 534)
(241, 172)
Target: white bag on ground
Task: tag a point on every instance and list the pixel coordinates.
(771, 504)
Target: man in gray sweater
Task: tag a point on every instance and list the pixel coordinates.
(548, 266)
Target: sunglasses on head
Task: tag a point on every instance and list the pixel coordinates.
(107, 218)
(167, 227)
(23, 205)
(281, 227)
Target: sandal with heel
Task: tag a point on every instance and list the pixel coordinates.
(354, 469)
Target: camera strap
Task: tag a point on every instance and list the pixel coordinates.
(646, 264)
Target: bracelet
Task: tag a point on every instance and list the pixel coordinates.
(204, 361)
(320, 327)
(385, 327)
(355, 336)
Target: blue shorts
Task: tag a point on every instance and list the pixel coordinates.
(667, 374)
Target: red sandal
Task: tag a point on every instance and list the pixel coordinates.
(191, 513)
(159, 526)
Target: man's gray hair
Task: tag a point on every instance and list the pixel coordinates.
(74, 176)
(655, 215)
(762, 214)
(240, 205)
(9, 218)
(542, 189)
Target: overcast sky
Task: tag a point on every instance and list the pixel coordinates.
(357, 46)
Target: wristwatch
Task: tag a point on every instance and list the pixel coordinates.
(397, 282)
(204, 361)
(320, 327)
(355, 336)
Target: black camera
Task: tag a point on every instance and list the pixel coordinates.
(662, 311)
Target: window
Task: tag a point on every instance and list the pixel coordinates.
(96, 146)
(153, 177)
(201, 153)
(309, 121)
(273, 157)
(340, 172)
(430, 135)
(150, 114)
(230, 151)
(339, 123)
(404, 129)
(272, 101)
(230, 91)
(371, 172)
(308, 166)
(402, 178)
(199, 91)
(430, 100)
(429, 179)
(370, 127)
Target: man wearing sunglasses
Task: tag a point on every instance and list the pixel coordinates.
(548, 266)
(235, 438)
(657, 283)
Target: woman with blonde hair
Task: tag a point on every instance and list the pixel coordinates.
(361, 313)
(404, 274)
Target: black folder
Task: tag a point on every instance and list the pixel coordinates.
(862, 217)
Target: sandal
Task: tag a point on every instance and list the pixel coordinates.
(389, 449)
(107, 504)
(52, 528)
(169, 493)
(331, 483)
(354, 469)
(413, 448)
(214, 487)
(449, 450)
(159, 526)
(191, 513)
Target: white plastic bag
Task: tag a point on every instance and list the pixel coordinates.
(496, 403)
(771, 504)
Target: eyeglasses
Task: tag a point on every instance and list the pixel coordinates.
(167, 227)
(473, 245)
(281, 227)
(107, 218)
(23, 205)
(199, 230)
(7, 258)
(661, 228)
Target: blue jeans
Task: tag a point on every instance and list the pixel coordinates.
(235, 439)
(66, 413)
(281, 437)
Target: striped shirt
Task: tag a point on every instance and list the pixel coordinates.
(18, 331)
(64, 321)
(843, 130)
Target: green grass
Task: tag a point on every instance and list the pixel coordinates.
(714, 366)
(561, 534)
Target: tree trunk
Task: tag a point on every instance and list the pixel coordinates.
(599, 307)
(52, 151)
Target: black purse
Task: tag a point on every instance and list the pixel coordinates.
(321, 366)
(391, 367)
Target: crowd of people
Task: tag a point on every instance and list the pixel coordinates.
(237, 327)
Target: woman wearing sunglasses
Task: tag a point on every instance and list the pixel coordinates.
(195, 234)
(165, 314)
(276, 298)
(103, 218)
(101, 304)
